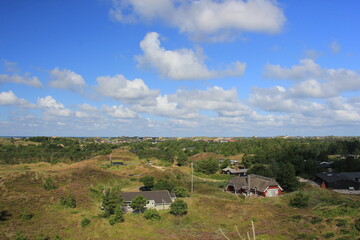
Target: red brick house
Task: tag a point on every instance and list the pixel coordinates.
(254, 185)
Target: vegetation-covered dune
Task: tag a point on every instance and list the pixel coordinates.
(32, 205)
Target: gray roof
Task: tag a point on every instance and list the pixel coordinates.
(334, 177)
(329, 177)
(256, 181)
(161, 196)
(234, 171)
(351, 175)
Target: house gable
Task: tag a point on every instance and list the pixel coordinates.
(254, 184)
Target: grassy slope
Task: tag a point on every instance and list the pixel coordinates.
(209, 207)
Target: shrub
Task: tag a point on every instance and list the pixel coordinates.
(42, 237)
(19, 236)
(26, 215)
(85, 222)
(118, 216)
(49, 184)
(4, 214)
(329, 235)
(341, 222)
(68, 201)
(304, 236)
(178, 207)
(300, 200)
(180, 192)
(357, 224)
(112, 220)
(315, 220)
(152, 214)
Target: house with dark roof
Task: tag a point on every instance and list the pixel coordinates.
(232, 171)
(254, 185)
(344, 180)
(326, 166)
(159, 200)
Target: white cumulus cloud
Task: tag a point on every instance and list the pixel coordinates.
(9, 98)
(166, 108)
(204, 20)
(66, 79)
(85, 110)
(180, 64)
(307, 69)
(25, 79)
(315, 81)
(118, 87)
(119, 111)
(53, 107)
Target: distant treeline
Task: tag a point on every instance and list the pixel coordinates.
(264, 156)
(47, 149)
(264, 149)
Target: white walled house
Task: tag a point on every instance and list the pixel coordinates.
(159, 200)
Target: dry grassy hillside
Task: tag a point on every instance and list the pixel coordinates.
(21, 189)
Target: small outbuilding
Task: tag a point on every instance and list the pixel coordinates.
(232, 171)
(254, 185)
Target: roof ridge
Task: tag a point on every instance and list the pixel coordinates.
(266, 178)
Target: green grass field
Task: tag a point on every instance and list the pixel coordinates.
(329, 216)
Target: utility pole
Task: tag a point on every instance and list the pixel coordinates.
(192, 177)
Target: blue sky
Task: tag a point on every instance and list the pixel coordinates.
(179, 68)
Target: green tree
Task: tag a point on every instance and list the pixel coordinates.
(182, 159)
(226, 163)
(164, 185)
(118, 215)
(207, 166)
(180, 192)
(152, 214)
(286, 177)
(178, 207)
(111, 199)
(138, 203)
(261, 170)
(300, 200)
(148, 181)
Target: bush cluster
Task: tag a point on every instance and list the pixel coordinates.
(152, 214)
(178, 207)
(49, 184)
(68, 201)
(85, 222)
(300, 200)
